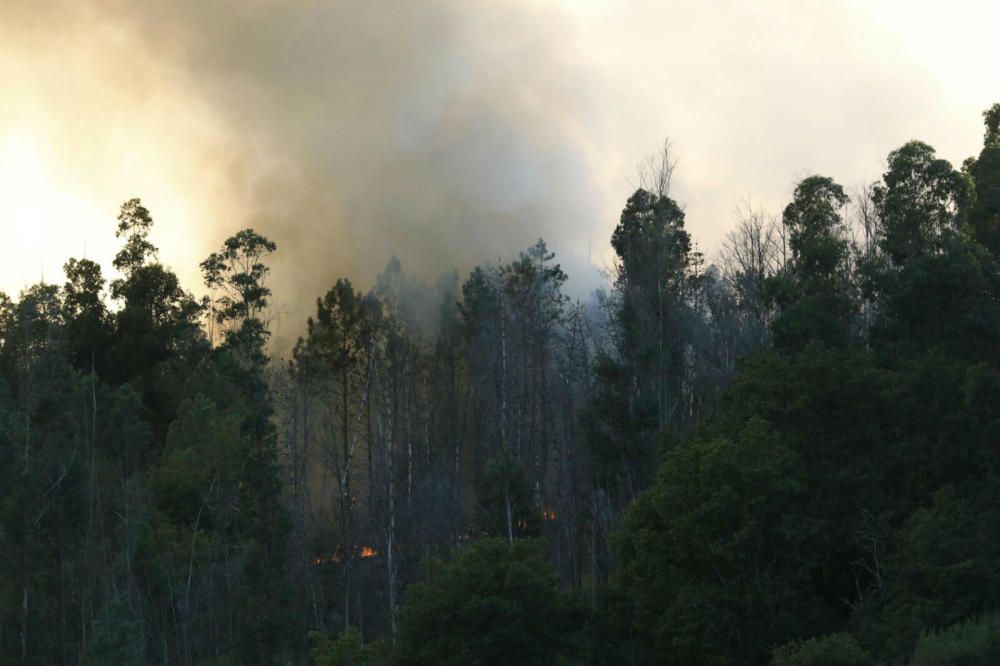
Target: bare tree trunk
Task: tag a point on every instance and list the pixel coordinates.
(510, 512)
(593, 549)
(388, 446)
(391, 568)
(409, 445)
(24, 603)
(503, 368)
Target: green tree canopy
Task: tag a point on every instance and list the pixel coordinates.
(492, 604)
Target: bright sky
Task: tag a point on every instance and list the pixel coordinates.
(451, 132)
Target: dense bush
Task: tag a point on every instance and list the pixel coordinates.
(975, 642)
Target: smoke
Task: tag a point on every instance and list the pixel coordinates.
(450, 132)
(348, 132)
(423, 130)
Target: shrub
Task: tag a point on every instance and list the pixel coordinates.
(832, 650)
(975, 642)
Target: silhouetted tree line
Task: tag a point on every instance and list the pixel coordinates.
(787, 457)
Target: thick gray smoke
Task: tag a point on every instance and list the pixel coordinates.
(440, 135)
(348, 132)
(452, 132)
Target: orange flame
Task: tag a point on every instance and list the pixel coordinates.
(366, 552)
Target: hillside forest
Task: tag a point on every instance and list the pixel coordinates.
(786, 455)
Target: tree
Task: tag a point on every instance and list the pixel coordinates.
(156, 333)
(117, 637)
(751, 253)
(710, 553)
(641, 378)
(506, 507)
(239, 273)
(651, 283)
(86, 313)
(40, 450)
(984, 171)
(493, 603)
(155, 309)
(921, 198)
(944, 569)
(813, 293)
(337, 355)
(937, 286)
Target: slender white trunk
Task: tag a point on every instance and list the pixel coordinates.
(510, 515)
(503, 368)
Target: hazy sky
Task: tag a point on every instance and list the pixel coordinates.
(450, 133)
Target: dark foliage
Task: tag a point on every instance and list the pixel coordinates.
(789, 458)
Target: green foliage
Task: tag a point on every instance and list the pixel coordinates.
(832, 650)
(944, 568)
(492, 604)
(138, 516)
(134, 225)
(650, 239)
(340, 335)
(991, 118)
(86, 313)
(860, 529)
(506, 507)
(710, 554)
(944, 299)
(810, 294)
(984, 171)
(640, 380)
(349, 649)
(238, 273)
(920, 198)
(975, 642)
(794, 451)
(201, 462)
(118, 637)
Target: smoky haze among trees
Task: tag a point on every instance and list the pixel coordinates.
(785, 454)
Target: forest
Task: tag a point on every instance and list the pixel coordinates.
(787, 455)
